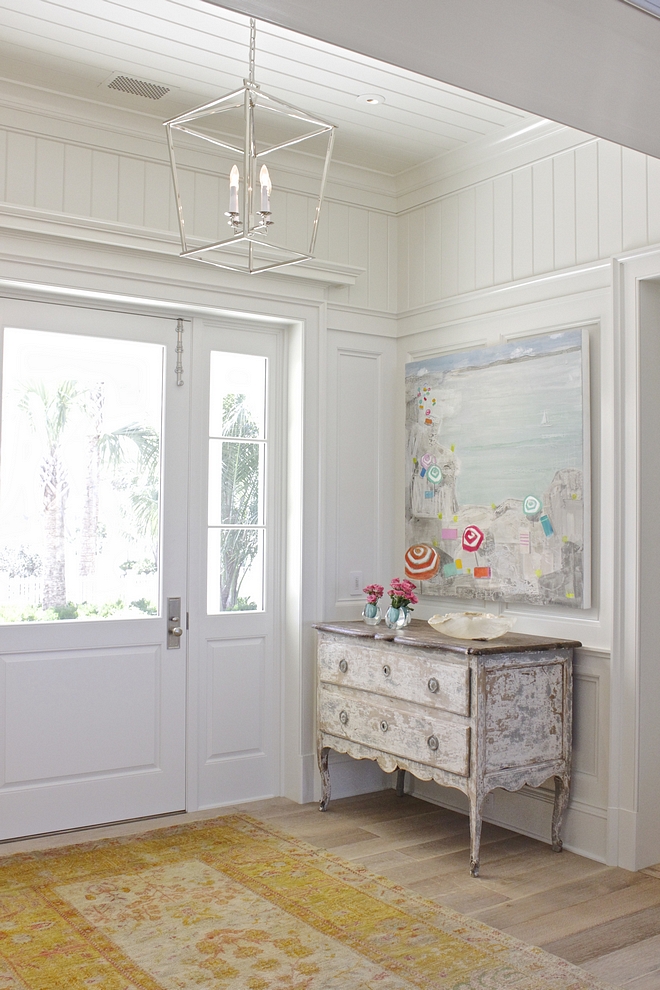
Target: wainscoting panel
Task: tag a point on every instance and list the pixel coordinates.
(357, 406)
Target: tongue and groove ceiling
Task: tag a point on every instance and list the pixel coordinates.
(199, 51)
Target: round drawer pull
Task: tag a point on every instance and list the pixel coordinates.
(343, 666)
(384, 726)
(433, 743)
(343, 717)
(433, 685)
(387, 670)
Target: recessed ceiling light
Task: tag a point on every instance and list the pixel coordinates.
(371, 98)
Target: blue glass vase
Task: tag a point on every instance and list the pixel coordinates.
(397, 618)
(371, 614)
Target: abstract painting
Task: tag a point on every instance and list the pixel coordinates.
(497, 472)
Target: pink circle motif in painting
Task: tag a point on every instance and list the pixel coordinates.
(421, 562)
(472, 538)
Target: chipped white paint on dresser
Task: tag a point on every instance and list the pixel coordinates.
(466, 714)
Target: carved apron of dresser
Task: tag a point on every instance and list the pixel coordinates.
(472, 722)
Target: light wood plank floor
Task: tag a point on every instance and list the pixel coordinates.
(603, 919)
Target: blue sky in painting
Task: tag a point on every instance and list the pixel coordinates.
(513, 413)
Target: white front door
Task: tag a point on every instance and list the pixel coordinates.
(236, 554)
(93, 517)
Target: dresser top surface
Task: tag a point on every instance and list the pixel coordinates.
(420, 634)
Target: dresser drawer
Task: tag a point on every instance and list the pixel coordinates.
(409, 676)
(424, 736)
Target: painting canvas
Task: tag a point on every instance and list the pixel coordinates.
(497, 472)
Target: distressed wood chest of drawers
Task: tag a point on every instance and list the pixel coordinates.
(467, 714)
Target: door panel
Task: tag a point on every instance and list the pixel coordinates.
(74, 699)
(236, 598)
(92, 706)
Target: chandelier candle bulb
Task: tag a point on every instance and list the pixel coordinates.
(266, 189)
(234, 180)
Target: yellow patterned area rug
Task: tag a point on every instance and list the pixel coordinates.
(234, 904)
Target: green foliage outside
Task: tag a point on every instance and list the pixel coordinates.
(132, 455)
(239, 503)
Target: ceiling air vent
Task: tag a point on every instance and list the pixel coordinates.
(138, 87)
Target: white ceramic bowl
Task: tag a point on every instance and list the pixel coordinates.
(472, 625)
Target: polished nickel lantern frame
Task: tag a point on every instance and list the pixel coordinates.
(250, 227)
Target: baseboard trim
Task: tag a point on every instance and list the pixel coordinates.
(529, 812)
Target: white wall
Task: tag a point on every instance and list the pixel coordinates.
(512, 243)
(518, 216)
(514, 237)
(87, 213)
(98, 173)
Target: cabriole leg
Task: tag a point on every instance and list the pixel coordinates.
(562, 785)
(475, 835)
(400, 782)
(324, 752)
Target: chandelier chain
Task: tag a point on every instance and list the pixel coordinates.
(253, 48)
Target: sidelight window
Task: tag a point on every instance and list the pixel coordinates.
(236, 482)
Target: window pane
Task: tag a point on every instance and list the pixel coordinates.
(235, 570)
(79, 477)
(235, 483)
(238, 395)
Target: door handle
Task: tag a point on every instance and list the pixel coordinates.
(174, 629)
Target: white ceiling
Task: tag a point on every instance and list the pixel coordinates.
(200, 51)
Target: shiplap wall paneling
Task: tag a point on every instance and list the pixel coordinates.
(503, 229)
(523, 224)
(77, 198)
(358, 254)
(467, 276)
(49, 178)
(543, 214)
(586, 203)
(159, 211)
(21, 161)
(105, 186)
(635, 199)
(578, 206)
(404, 265)
(448, 285)
(432, 232)
(610, 200)
(416, 233)
(484, 233)
(78, 180)
(376, 255)
(564, 209)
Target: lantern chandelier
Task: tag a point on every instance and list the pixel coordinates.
(251, 247)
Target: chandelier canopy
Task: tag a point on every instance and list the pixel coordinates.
(265, 125)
